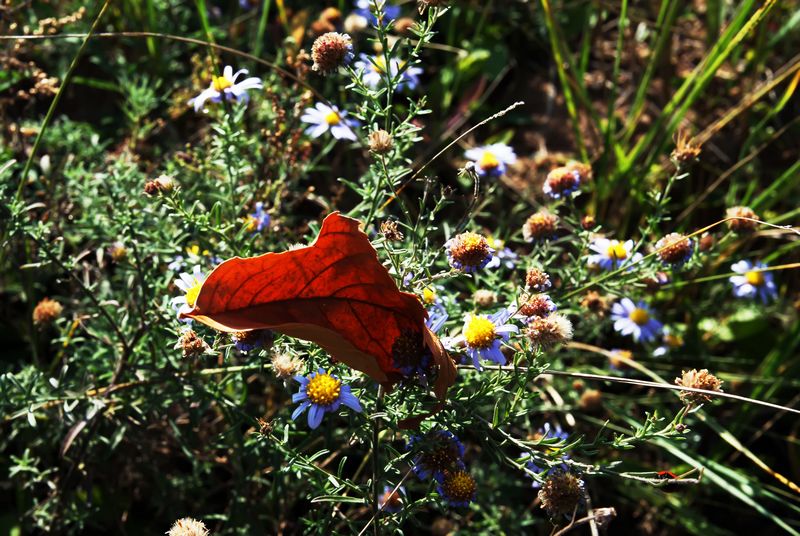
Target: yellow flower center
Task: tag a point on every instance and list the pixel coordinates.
(755, 278)
(616, 250)
(428, 295)
(673, 341)
(460, 486)
(221, 82)
(332, 118)
(380, 65)
(193, 292)
(488, 161)
(323, 389)
(479, 332)
(252, 223)
(640, 317)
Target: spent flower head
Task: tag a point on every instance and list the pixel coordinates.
(743, 222)
(540, 226)
(331, 51)
(436, 452)
(188, 527)
(698, 379)
(468, 252)
(675, 249)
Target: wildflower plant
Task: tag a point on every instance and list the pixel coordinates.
(548, 295)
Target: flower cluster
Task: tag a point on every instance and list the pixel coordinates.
(439, 455)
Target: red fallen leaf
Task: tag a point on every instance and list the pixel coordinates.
(334, 293)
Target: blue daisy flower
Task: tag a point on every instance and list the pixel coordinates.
(753, 283)
(635, 319)
(322, 393)
(484, 334)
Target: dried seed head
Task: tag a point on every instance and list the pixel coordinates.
(584, 171)
(391, 231)
(588, 222)
(160, 185)
(46, 311)
(285, 366)
(741, 225)
(188, 527)
(191, 345)
(619, 359)
(468, 252)
(484, 298)
(537, 305)
(562, 181)
(540, 226)
(685, 152)
(561, 493)
(537, 280)
(118, 252)
(332, 15)
(422, 5)
(546, 332)
(674, 249)
(706, 242)
(403, 25)
(591, 401)
(355, 23)
(595, 302)
(331, 51)
(698, 379)
(380, 142)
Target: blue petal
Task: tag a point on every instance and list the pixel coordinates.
(315, 415)
(350, 400)
(300, 409)
(297, 397)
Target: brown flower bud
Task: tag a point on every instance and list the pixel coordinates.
(191, 345)
(698, 379)
(561, 493)
(484, 298)
(380, 142)
(595, 302)
(537, 280)
(742, 225)
(540, 226)
(591, 401)
(588, 222)
(331, 51)
(46, 311)
(403, 25)
(391, 231)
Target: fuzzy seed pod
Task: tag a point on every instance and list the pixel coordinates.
(285, 366)
(540, 226)
(46, 311)
(331, 51)
(191, 345)
(538, 305)
(188, 527)
(537, 280)
(698, 379)
(549, 331)
(561, 493)
(380, 142)
(674, 249)
(740, 225)
(391, 231)
(484, 298)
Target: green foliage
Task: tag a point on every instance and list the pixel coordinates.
(112, 422)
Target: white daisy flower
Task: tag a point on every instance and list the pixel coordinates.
(190, 284)
(324, 118)
(226, 87)
(491, 160)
